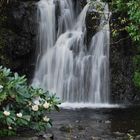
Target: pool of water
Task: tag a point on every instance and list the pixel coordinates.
(96, 123)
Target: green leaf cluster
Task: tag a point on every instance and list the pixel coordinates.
(128, 9)
(23, 106)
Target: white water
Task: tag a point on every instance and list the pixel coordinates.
(68, 105)
(64, 64)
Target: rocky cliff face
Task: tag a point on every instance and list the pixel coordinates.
(122, 52)
(121, 71)
(18, 32)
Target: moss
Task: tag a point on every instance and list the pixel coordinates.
(136, 61)
(136, 79)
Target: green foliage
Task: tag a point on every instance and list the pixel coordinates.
(129, 10)
(136, 62)
(134, 16)
(22, 106)
(130, 137)
(125, 24)
(137, 79)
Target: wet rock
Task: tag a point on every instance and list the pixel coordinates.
(99, 121)
(80, 127)
(96, 138)
(48, 136)
(137, 137)
(33, 138)
(92, 24)
(131, 132)
(67, 129)
(119, 134)
(107, 122)
(77, 121)
(92, 19)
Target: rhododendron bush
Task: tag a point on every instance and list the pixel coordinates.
(22, 106)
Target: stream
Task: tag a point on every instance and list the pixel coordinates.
(96, 124)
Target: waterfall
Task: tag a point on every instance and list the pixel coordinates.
(65, 64)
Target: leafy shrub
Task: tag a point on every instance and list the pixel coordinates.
(129, 17)
(22, 106)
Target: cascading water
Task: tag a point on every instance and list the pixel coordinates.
(65, 65)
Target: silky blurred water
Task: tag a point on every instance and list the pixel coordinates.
(65, 64)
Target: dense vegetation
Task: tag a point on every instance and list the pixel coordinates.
(129, 16)
(127, 20)
(22, 106)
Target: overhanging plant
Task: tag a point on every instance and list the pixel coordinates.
(22, 106)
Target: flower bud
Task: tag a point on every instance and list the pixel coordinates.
(35, 108)
(46, 105)
(19, 115)
(6, 113)
(46, 119)
(10, 128)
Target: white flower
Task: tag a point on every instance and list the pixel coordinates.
(35, 108)
(46, 105)
(9, 127)
(1, 87)
(46, 119)
(19, 115)
(6, 113)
